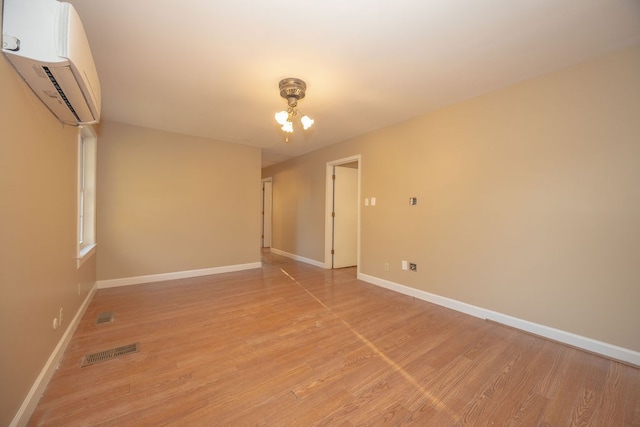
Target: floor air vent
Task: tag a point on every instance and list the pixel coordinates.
(104, 318)
(92, 359)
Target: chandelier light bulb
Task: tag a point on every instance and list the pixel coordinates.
(306, 122)
(281, 117)
(287, 126)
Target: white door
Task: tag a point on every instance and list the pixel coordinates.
(345, 217)
(266, 214)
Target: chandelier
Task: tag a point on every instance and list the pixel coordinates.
(293, 90)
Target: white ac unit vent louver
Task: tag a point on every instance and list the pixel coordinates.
(46, 43)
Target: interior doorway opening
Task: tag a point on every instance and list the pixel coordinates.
(267, 197)
(342, 224)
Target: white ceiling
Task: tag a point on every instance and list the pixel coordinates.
(211, 68)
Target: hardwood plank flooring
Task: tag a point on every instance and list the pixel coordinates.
(295, 345)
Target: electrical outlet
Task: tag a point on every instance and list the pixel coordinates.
(55, 323)
(386, 266)
(60, 315)
(413, 266)
(404, 265)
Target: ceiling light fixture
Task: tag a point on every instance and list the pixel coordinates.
(293, 90)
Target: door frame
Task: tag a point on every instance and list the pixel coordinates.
(262, 228)
(328, 220)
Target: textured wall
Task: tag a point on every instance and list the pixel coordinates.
(528, 200)
(171, 203)
(38, 231)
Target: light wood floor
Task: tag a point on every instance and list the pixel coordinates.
(295, 345)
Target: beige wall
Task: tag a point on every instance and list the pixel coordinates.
(528, 200)
(171, 203)
(38, 211)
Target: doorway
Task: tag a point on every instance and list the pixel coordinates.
(267, 195)
(342, 224)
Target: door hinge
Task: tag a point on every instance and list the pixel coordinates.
(333, 177)
(333, 252)
(333, 214)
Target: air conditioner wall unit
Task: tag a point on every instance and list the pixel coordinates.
(46, 43)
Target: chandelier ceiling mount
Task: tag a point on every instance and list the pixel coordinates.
(292, 90)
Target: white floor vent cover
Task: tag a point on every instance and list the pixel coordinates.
(92, 359)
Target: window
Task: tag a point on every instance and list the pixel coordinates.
(87, 145)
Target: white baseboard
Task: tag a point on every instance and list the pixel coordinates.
(37, 389)
(609, 350)
(299, 258)
(127, 281)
